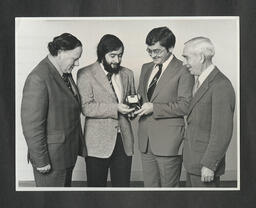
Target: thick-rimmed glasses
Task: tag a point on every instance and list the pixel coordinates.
(155, 51)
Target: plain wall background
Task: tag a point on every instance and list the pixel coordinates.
(33, 35)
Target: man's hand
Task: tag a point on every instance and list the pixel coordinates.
(207, 175)
(44, 169)
(131, 115)
(146, 108)
(124, 109)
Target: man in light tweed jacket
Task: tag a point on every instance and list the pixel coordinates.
(103, 87)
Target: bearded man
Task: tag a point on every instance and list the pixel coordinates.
(104, 86)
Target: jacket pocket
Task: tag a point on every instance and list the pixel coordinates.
(57, 138)
(201, 142)
(199, 146)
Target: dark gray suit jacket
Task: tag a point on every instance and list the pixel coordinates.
(50, 116)
(210, 125)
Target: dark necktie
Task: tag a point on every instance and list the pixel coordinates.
(67, 77)
(152, 85)
(109, 76)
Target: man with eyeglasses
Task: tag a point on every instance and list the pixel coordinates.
(165, 87)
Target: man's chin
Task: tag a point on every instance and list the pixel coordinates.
(157, 61)
(67, 71)
(115, 69)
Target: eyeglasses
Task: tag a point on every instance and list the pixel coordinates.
(155, 51)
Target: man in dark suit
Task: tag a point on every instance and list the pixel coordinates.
(50, 114)
(165, 87)
(104, 86)
(210, 116)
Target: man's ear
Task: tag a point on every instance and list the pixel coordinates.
(202, 58)
(60, 52)
(170, 49)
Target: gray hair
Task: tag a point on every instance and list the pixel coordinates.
(202, 45)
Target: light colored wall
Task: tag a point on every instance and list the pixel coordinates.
(33, 35)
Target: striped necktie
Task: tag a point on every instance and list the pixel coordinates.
(153, 83)
(67, 78)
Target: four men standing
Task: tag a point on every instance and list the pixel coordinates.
(168, 93)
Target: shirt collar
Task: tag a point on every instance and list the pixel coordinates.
(166, 63)
(205, 73)
(102, 67)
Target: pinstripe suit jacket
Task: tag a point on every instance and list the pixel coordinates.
(210, 125)
(99, 106)
(50, 116)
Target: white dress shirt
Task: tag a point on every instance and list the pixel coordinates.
(117, 84)
(205, 74)
(72, 82)
(118, 87)
(156, 68)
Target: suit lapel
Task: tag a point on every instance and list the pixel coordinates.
(124, 83)
(146, 79)
(165, 77)
(59, 80)
(102, 79)
(202, 89)
(76, 91)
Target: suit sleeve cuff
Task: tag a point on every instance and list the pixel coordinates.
(213, 165)
(156, 111)
(41, 161)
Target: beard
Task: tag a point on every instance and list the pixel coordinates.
(109, 68)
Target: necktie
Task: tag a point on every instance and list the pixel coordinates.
(196, 85)
(152, 85)
(67, 77)
(109, 76)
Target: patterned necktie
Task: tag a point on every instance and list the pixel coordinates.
(67, 77)
(152, 85)
(196, 85)
(109, 76)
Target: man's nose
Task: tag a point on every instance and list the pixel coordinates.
(153, 55)
(116, 59)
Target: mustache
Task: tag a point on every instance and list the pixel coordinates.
(108, 67)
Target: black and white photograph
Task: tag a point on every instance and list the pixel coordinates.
(139, 103)
(127, 103)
